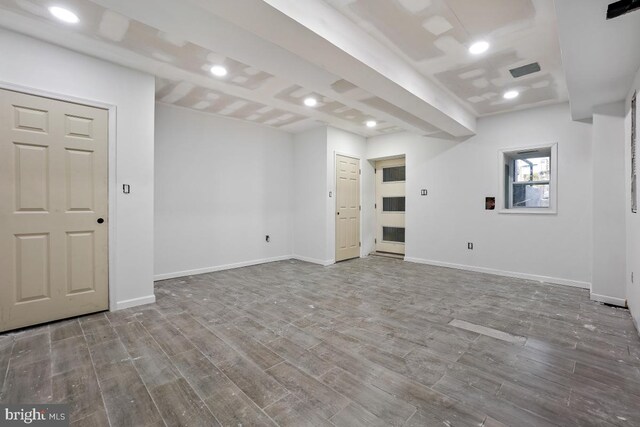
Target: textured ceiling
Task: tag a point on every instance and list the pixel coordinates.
(431, 35)
(107, 26)
(434, 36)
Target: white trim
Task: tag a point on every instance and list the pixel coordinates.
(620, 302)
(528, 211)
(526, 276)
(193, 272)
(313, 260)
(111, 178)
(128, 303)
(185, 273)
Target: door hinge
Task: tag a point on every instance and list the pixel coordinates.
(360, 207)
(375, 240)
(360, 244)
(375, 206)
(360, 171)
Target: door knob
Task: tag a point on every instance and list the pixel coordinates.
(338, 213)
(100, 220)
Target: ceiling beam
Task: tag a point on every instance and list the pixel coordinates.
(321, 35)
(600, 56)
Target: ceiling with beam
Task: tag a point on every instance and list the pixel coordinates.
(434, 37)
(431, 87)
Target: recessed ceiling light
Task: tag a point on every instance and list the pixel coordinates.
(479, 47)
(511, 94)
(310, 102)
(218, 71)
(371, 123)
(65, 15)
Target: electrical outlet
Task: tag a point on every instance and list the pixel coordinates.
(470, 245)
(267, 238)
(423, 192)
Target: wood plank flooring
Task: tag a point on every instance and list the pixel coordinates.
(368, 342)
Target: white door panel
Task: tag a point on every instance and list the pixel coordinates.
(347, 208)
(53, 189)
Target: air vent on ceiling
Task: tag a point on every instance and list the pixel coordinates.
(534, 67)
(621, 7)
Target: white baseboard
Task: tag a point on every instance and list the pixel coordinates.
(620, 302)
(149, 299)
(193, 272)
(313, 260)
(527, 276)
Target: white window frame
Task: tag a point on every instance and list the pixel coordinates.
(503, 203)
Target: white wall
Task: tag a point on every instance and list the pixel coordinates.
(609, 197)
(633, 219)
(349, 144)
(458, 176)
(310, 196)
(222, 185)
(39, 66)
(314, 232)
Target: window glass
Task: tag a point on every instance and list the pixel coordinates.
(393, 204)
(396, 173)
(531, 195)
(533, 169)
(393, 234)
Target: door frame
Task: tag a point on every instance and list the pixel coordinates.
(111, 170)
(334, 186)
(375, 192)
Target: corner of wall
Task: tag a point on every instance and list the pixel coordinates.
(632, 219)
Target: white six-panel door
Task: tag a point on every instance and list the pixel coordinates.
(53, 209)
(347, 208)
(390, 206)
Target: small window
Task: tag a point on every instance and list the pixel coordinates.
(393, 174)
(393, 204)
(393, 234)
(529, 180)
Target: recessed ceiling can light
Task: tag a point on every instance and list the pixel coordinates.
(371, 123)
(310, 102)
(218, 71)
(510, 94)
(479, 47)
(65, 15)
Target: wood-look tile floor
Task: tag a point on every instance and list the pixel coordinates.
(364, 342)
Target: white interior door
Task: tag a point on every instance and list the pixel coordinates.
(53, 210)
(390, 205)
(347, 208)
